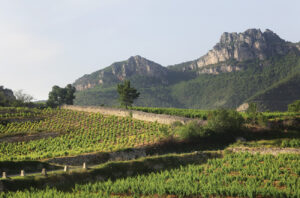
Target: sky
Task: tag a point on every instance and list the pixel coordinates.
(54, 42)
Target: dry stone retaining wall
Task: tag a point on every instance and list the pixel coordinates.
(98, 158)
(139, 115)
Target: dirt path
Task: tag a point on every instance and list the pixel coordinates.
(262, 150)
(28, 137)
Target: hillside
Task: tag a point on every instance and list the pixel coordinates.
(65, 153)
(280, 94)
(240, 66)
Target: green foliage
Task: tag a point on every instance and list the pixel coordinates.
(127, 94)
(294, 143)
(3, 100)
(280, 94)
(164, 130)
(6, 97)
(189, 113)
(223, 120)
(59, 96)
(294, 107)
(191, 131)
(254, 116)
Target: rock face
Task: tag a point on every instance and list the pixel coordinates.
(243, 107)
(251, 44)
(223, 68)
(228, 55)
(134, 66)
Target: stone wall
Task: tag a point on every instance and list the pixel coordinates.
(139, 115)
(98, 158)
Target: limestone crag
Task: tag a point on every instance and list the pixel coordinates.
(117, 72)
(138, 65)
(251, 44)
(218, 69)
(228, 55)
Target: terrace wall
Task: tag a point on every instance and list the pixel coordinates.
(139, 115)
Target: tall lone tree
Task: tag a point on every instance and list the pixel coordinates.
(127, 94)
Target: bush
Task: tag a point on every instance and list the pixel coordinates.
(294, 107)
(222, 120)
(164, 131)
(254, 116)
(191, 130)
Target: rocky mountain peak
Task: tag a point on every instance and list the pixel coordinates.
(251, 44)
(117, 72)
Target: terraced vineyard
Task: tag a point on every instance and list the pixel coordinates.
(235, 175)
(76, 132)
(32, 136)
(203, 114)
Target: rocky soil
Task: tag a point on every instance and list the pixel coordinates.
(263, 150)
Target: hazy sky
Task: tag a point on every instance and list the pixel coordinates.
(54, 42)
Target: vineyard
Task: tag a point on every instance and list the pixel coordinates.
(33, 137)
(78, 132)
(203, 114)
(235, 175)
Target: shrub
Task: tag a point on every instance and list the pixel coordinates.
(191, 131)
(164, 131)
(254, 116)
(176, 124)
(294, 107)
(222, 120)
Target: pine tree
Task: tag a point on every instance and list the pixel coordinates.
(127, 94)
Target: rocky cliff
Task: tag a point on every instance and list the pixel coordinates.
(251, 44)
(117, 72)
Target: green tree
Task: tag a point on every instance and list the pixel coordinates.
(59, 96)
(6, 97)
(69, 95)
(127, 94)
(3, 100)
(252, 113)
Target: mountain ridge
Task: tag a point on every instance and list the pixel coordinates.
(253, 52)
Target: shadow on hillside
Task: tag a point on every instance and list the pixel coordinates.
(111, 170)
(14, 168)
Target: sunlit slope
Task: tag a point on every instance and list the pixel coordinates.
(72, 133)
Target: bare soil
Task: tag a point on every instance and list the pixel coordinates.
(29, 137)
(263, 150)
